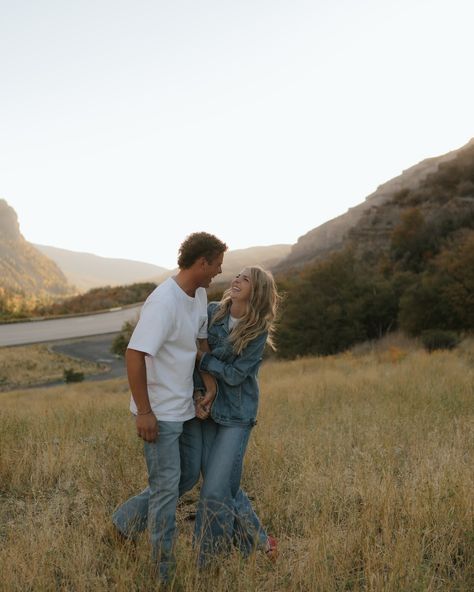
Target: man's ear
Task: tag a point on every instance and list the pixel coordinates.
(199, 263)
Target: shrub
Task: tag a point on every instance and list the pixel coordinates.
(120, 343)
(438, 339)
(412, 241)
(70, 375)
(99, 299)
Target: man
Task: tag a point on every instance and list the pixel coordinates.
(160, 361)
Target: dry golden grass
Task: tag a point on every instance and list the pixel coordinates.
(361, 466)
(34, 364)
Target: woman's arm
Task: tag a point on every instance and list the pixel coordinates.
(204, 402)
(235, 372)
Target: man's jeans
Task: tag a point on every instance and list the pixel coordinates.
(174, 463)
(225, 514)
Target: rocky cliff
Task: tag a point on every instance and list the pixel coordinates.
(369, 224)
(23, 269)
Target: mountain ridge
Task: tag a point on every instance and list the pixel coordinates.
(43, 269)
(334, 234)
(25, 271)
(87, 270)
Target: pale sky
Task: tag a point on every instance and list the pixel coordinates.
(125, 125)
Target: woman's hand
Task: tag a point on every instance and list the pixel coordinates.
(203, 403)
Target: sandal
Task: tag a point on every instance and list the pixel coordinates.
(271, 550)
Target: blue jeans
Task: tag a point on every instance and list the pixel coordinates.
(174, 463)
(225, 514)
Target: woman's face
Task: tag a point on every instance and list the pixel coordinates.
(241, 287)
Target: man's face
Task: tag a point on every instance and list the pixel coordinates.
(210, 270)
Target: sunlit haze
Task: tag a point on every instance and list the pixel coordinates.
(127, 125)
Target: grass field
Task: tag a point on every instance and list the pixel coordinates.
(361, 465)
(34, 364)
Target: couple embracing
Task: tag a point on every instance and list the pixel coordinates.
(192, 370)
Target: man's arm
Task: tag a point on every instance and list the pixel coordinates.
(146, 422)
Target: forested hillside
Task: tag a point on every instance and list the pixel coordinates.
(409, 263)
(99, 299)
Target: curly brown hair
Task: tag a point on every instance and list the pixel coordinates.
(199, 244)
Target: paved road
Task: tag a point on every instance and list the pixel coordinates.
(94, 349)
(66, 328)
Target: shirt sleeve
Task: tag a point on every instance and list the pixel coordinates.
(244, 365)
(153, 328)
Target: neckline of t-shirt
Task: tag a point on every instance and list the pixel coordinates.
(180, 290)
(232, 322)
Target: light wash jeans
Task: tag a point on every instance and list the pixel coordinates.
(174, 463)
(225, 514)
(195, 441)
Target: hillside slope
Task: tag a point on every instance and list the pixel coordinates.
(86, 271)
(24, 269)
(338, 232)
(438, 206)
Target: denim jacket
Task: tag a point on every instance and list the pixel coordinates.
(236, 402)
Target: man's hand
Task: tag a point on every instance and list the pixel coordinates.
(147, 427)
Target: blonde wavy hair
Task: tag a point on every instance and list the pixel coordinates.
(261, 310)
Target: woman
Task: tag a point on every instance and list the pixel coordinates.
(240, 326)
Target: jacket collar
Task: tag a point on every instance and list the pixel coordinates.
(224, 323)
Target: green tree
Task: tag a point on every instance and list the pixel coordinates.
(412, 243)
(120, 343)
(443, 296)
(422, 308)
(454, 267)
(332, 305)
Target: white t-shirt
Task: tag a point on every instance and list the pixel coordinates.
(169, 325)
(232, 322)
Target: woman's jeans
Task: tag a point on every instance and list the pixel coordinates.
(225, 514)
(174, 463)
